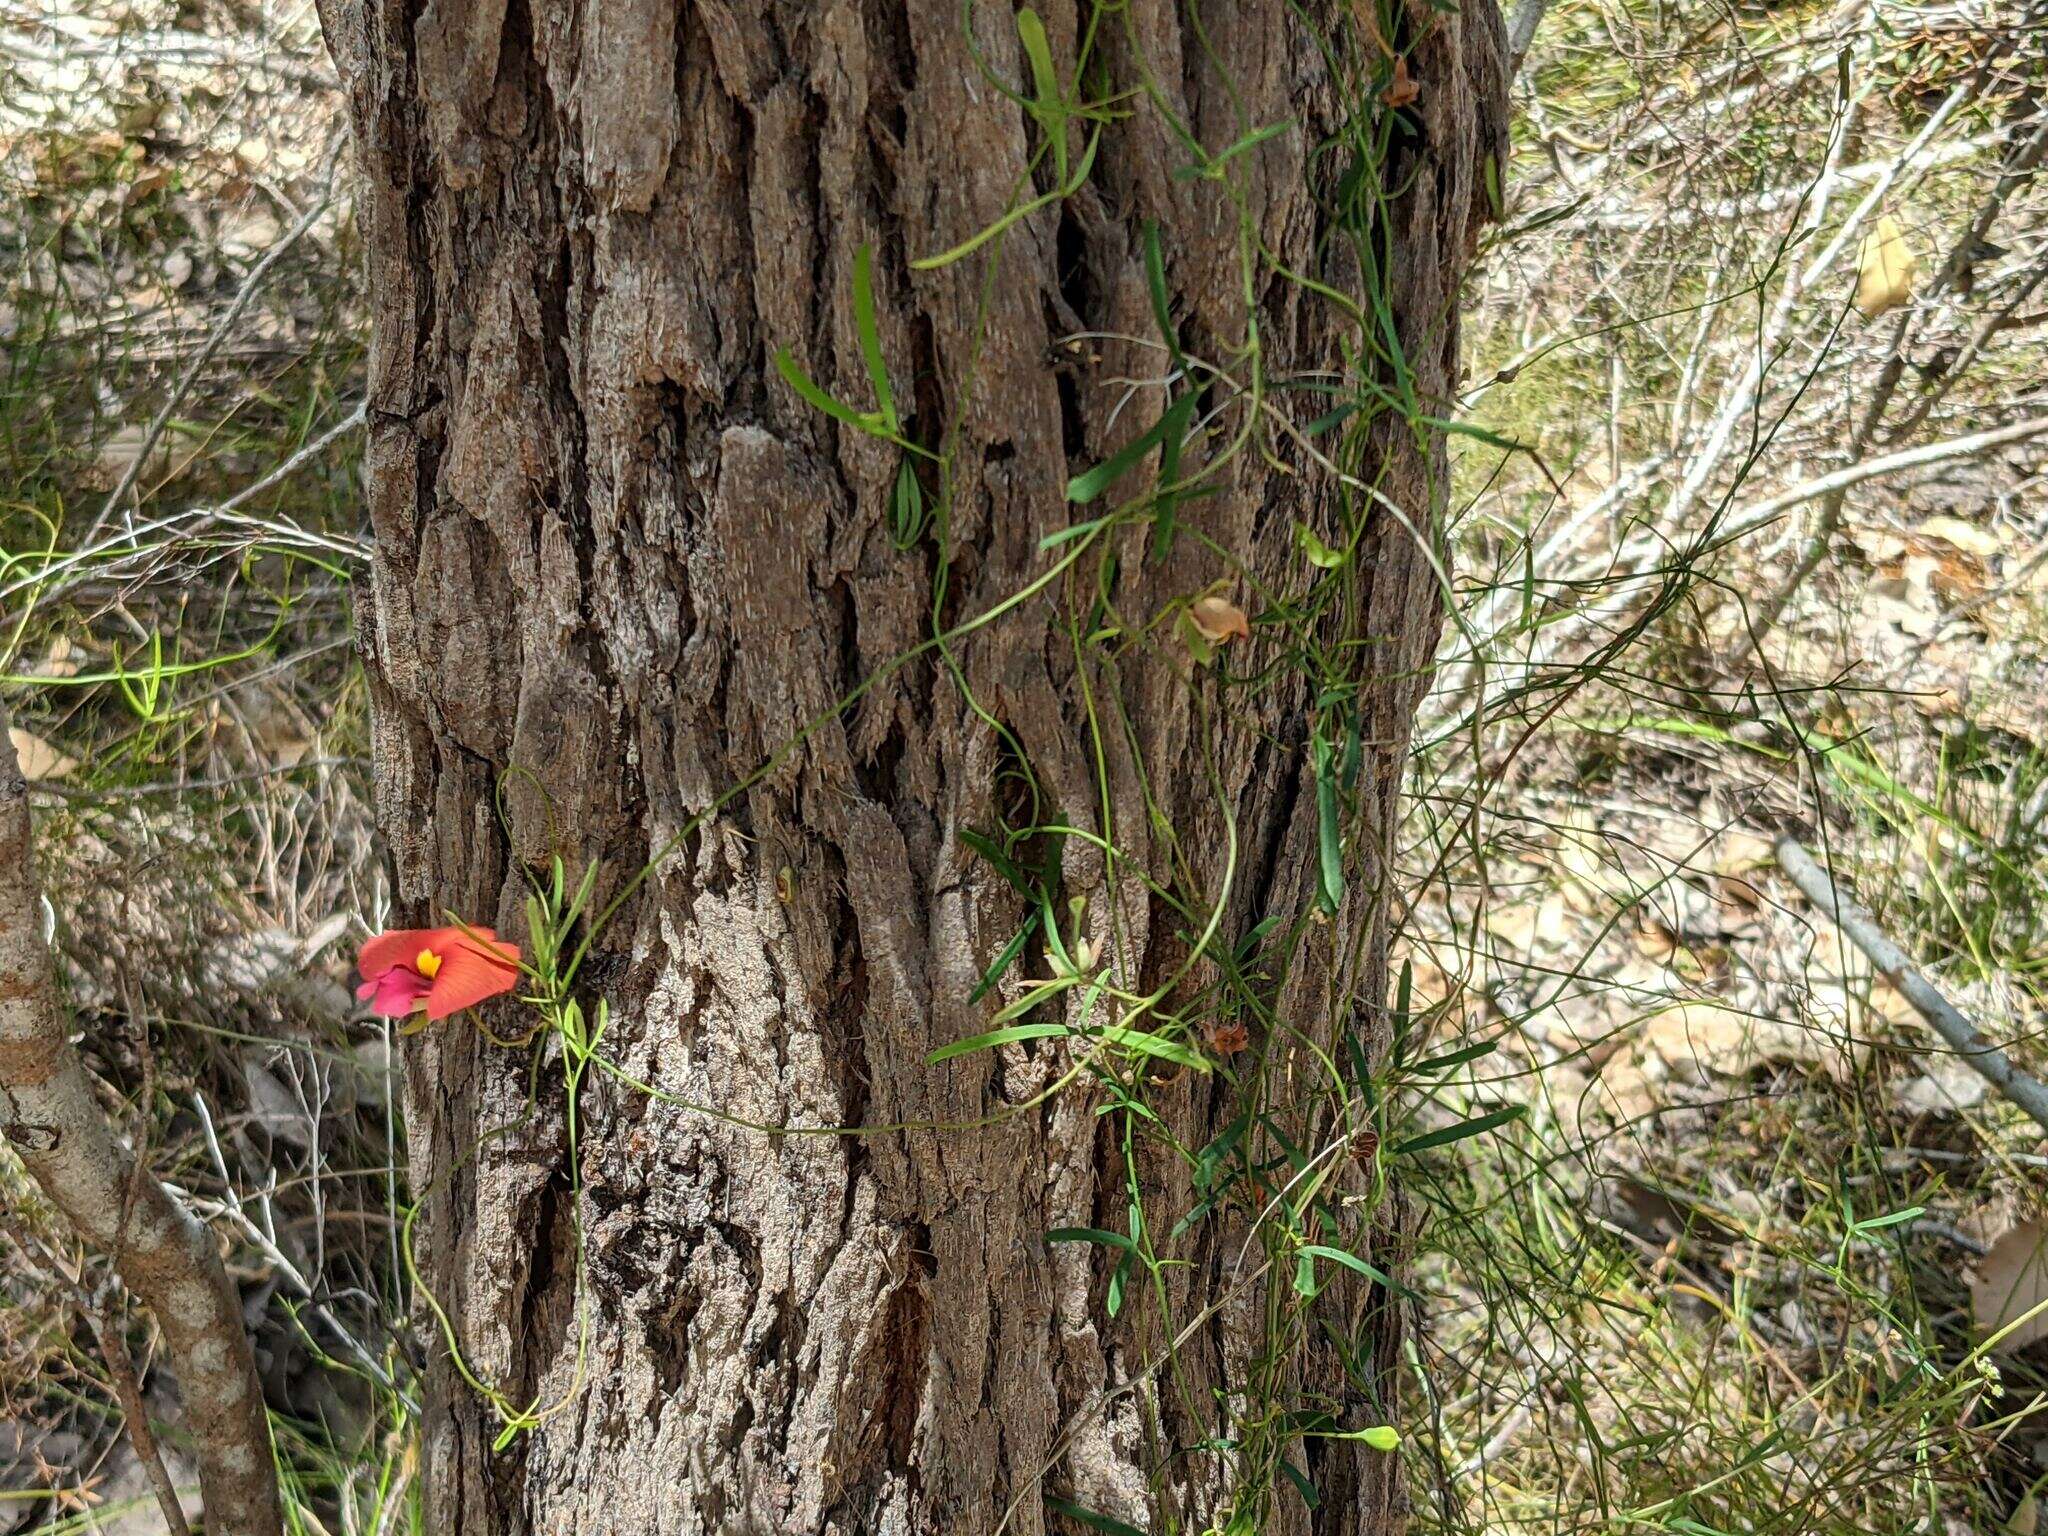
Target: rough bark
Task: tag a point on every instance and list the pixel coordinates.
(52, 1122)
(619, 560)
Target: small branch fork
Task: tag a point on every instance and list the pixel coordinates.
(50, 1118)
(1977, 1053)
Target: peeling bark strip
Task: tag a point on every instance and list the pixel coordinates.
(615, 553)
(51, 1122)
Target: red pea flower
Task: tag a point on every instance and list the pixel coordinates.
(437, 971)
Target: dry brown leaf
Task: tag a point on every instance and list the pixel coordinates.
(1530, 927)
(1878, 545)
(1736, 852)
(1704, 1036)
(2011, 1281)
(1228, 1039)
(1892, 1005)
(39, 760)
(2003, 712)
(119, 452)
(1654, 942)
(1581, 851)
(1734, 855)
(60, 660)
(1967, 537)
(1219, 620)
(1940, 701)
(1947, 1086)
(1955, 578)
(1627, 1091)
(1885, 270)
(151, 179)
(1402, 90)
(1428, 986)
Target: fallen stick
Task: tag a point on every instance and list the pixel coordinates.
(50, 1116)
(1977, 1053)
(1746, 520)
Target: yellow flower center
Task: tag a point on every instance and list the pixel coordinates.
(427, 963)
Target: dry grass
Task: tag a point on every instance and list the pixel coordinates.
(1715, 1279)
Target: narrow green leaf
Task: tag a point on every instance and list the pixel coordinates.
(1302, 1485)
(1322, 424)
(1212, 1157)
(1039, 992)
(1213, 166)
(1330, 840)
(1050, 108)
(995, 1037)
(1032, 31)
(1456, 1058)
(906, 507)
(1478, 1126)
(1350, 1261)
(1198, 1213)
(1055, 832)
(1249, 944)
(794, 376)
(1022, 211)
(1072, 531)
(1468, 429)
(1361, 1069)
(998, 860)
(1165, 522)
(1305, 1275)
(1007, 958)
(1052, 932)
(1089, 484)
(1155, 283)
(871, 336)
(1152, 1045)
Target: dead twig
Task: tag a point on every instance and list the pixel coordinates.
(1977, 1053)
(2018, 173)
(1522, 25)
(104, 1316)
(1746, 520)
(251, 286)
(106, 1327)
(49, 1116)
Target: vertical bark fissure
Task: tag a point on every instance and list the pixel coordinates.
(619, 564)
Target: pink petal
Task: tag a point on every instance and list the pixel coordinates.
(396, 992)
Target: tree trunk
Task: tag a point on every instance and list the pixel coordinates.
(621, 565)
